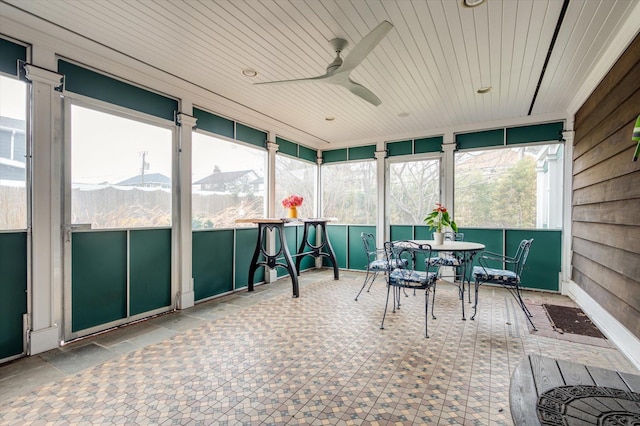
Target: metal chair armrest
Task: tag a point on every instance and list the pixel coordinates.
(488, 255)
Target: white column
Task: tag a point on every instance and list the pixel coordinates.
(182, 185)
(448, 165)
(271, 275)
(382, 225)
(568, 136)
(317, 206)
(46, 202)
(272, 148)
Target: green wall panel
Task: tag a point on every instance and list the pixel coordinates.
(339, 241)
(334, 155)
(401, 232)
(98, 278)
(13, 285)
(246, 239)
(212, 262)
(423, 145)
(535, 133)
(362, 153)
(307, 153)
(423, 232)
(287, 147)
(213, 123)
(149, 270)
(545, 257)
(480, 139)
(399, 148)
(491, 238)
(250, 135)
(10, 53)
(99, 86)
(357, 256)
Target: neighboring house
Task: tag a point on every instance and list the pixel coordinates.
(237, 181)
(149, 180)
(13, 149)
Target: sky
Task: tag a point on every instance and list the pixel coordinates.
(108, 148)
(13, 102)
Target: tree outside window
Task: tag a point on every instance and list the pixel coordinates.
(509, 187)
(349, 192)
(414, 189)
(295, 177)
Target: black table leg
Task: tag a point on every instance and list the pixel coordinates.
(324, 249)
(271, 260)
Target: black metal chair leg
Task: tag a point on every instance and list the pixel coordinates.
(426, 313)
(370, 276)
(475, 305)
(433, 301)
(385, 308)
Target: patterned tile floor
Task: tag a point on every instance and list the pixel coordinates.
(264, 358)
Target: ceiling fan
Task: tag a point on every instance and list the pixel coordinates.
(338, 71)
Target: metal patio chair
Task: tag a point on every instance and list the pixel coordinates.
(376, 261)
(414, 273)
(448, 258)
(509, 278)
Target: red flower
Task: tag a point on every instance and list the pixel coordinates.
(292, 201)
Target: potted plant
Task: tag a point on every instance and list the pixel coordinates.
(438, 220)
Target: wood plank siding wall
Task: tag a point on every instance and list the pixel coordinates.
(606, 193)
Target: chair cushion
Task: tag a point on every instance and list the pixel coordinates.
(383, 265)
(380, 265)
(444, 261)
(407, 277)
(499, 276)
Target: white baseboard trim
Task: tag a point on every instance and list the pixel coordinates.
(43, 340)
(186, 299)
(617, 333)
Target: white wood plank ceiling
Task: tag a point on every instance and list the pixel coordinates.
(428, 67)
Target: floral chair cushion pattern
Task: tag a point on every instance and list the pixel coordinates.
(503, 276)
(407, 278)
(445, 261)
(382, 265)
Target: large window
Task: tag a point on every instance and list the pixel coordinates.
(13, 148)
(414, 188)
(510, 187)
(228, 182)
(120, 171)
(294, 176)
(349, 192)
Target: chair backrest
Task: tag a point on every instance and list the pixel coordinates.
(409, 255)
(453, 236)
(369, 243)
(521, 256)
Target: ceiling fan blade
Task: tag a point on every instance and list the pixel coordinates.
(366, 45)
(361, 91)
(297, 80)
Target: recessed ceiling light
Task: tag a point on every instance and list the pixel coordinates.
(472, 3)
(329, 118)
(484, 90)
(249, 72)
(403, 114)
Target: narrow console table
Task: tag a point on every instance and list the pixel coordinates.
(323, 249)
(546, 391)
(282, 257)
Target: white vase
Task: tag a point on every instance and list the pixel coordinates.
(438, 237)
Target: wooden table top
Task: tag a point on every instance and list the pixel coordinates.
(285, 219)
